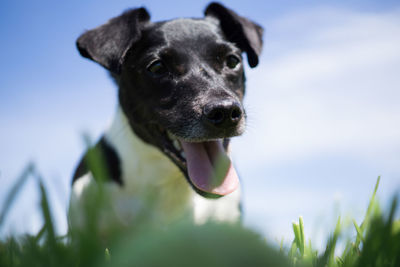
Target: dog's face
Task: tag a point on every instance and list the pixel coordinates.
(183, 70)
(181, 85)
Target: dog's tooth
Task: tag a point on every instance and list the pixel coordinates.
(176, 144)
(170, 136)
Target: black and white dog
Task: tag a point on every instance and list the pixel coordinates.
(181, 84)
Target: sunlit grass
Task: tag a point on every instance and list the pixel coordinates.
(376, 241)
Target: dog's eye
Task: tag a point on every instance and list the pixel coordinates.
(232, 61)
(157, 68)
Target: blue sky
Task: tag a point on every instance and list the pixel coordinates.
(323, 105)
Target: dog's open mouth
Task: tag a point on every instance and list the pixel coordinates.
(206, 164)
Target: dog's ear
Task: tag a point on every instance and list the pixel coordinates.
(246, 34)
(108, 43)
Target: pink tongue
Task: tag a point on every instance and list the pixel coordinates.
(210, 168)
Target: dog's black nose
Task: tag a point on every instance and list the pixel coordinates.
(223, 114)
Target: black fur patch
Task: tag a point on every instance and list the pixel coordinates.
(110, 158)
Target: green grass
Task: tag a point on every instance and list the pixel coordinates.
(376, 242)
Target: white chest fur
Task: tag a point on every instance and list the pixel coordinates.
(149, 175)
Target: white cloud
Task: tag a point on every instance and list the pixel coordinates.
(328, 83)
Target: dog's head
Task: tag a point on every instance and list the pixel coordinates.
(181, 85)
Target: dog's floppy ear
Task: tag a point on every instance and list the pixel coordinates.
(108, 43)
(246, 34)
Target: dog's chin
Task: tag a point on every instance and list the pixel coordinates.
(200, 158)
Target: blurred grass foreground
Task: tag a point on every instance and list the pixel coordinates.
(376, 243)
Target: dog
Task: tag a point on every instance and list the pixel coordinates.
(180, 90)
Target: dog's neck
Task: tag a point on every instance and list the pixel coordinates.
(137, 157)
(145, 169)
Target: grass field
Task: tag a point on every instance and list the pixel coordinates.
(376, 243)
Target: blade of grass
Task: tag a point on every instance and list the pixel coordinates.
(329, 254)
(302, 238)
(367, 216)
(40, 233)
(107, 254)
(296, 241)
(371, 201)
(14, 191)
(292, 252)
(281, 249)
(95, 161)
(359, 232)
(373, 195)
(48, 222)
